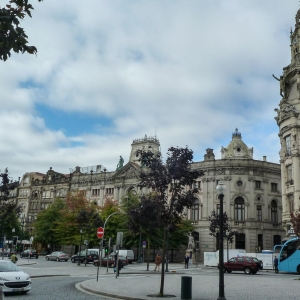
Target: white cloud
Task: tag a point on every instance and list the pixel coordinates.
(195, 70)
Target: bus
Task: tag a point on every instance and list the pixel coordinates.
(288, 255)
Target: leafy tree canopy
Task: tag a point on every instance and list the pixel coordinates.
(214, 226)
(47, 221)
(12, 36)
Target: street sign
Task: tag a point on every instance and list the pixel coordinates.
(100, 232)
(120, 239)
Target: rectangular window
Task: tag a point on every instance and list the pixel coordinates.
(274, 187)
(291, 202)
(82, 192)
(195, 212)
(109, 191)
(258, 213)
(257, 184)
(288, 145)
(289, 172)
(218, 209)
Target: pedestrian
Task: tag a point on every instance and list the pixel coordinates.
(120, 266)
(276, 264)
(157, 262)
(186, 261)
(14, 258)
(191, 260)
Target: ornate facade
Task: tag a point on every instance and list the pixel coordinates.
(289, 130)
(252, 200)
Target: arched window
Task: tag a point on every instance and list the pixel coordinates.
(239, 209)
(195, 211)
(274, 214)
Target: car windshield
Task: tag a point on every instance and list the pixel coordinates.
(255, 259)
(8, 267)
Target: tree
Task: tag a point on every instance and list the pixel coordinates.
(12, 36)
(145, 219)
(9, 208)
(46, 223)
(168, 182)
(214, 227)
(73, 218)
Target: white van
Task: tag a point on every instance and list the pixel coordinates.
(126, 253)
(97, 250)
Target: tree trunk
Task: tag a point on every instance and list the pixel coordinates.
(162, 281)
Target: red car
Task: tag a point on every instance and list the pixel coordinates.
(247, 264)
(111, 261)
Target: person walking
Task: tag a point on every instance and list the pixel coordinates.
(276, 264)
(157, 262)
(14, 258)
(186, 261)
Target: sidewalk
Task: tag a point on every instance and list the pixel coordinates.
(205, 285)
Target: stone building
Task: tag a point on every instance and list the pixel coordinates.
(288, 121)
(252, 199)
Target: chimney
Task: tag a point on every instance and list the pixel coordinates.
(264, 158)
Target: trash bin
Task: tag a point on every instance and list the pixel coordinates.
(186, 287)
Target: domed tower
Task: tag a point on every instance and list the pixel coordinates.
(289, 130)
(237, 148)
(147, 142)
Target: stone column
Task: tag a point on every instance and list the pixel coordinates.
(296, 178)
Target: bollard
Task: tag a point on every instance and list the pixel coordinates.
(186, 287)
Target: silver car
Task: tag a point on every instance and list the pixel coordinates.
(58, 256)
(13, 279)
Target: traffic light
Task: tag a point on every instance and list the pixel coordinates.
(15, 241)
(104, 244)
(106, 250)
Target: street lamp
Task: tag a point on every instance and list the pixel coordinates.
(13, 231)
(81, 232)
(221, 188)
(22, 237)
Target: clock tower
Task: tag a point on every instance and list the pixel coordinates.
(288, 120)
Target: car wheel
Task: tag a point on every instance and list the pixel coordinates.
(73, 260)
(298, 269)
(229, 271)
(247, 270)
(57, 259)
(47, 258)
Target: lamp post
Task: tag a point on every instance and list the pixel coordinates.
(22, 237)
(13, 231)
(221, 188)
(81, 232)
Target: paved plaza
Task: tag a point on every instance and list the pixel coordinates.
(135, 282)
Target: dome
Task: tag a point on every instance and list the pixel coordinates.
(237, 148)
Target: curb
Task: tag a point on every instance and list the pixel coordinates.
(114, 296)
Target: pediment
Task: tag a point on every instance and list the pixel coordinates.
(131, 169)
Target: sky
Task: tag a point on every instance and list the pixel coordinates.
(110, 71)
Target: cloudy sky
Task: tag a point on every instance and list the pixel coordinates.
(110, 71)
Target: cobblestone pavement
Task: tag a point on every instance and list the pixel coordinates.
(205, 285)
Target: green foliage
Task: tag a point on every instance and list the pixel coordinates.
(12, 36)
(70, 223)
(214, 226)
(115, 221)
(47, 222)
(178, 234)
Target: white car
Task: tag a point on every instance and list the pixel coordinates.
(13, 279)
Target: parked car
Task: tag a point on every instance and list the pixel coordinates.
(126, 253)
(247, 264)
(111, 261)
(58, 256)
(29, 253)
(13, 279)
(89, 255)
(124, 258)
